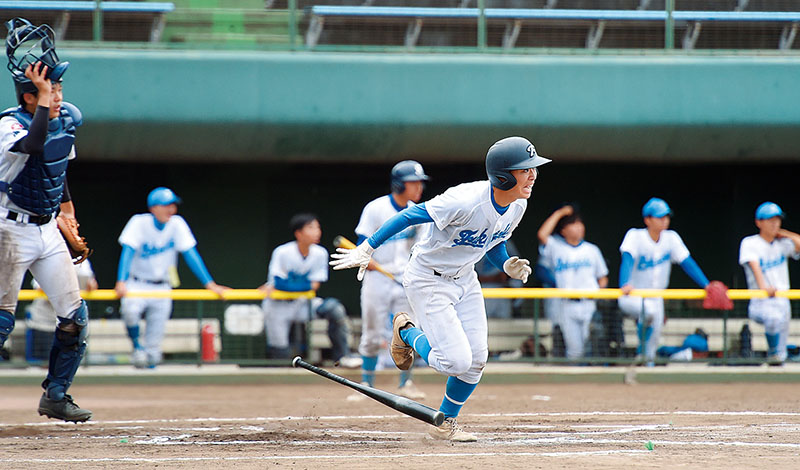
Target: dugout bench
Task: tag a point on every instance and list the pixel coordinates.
(122, 21)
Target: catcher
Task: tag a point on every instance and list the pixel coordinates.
(36, 144)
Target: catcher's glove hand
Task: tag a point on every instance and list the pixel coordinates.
(76, 244)
(717, 297)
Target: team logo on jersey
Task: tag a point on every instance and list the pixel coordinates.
(563, 265)
(646, 263)
(771, 263)
(471, 238)
(148, 251)
(500, 234)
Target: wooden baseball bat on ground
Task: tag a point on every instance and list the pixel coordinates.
(342, 242)
(401, 404)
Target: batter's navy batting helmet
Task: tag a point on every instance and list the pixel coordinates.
(27, 44)
(656, 207)
(162, 196)
(407, 170)
(511, 153)
(769, 210)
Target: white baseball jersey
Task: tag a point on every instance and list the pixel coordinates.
(11, 163)
(466, 225)
(288, 263)
(652, 261)
(574, 267)
(393, 253)
(771, 257)
(156, 250)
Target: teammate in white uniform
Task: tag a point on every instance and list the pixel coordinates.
(381, 296)
(461, 225)
(574, 264)
(647, 257)
(300, 266)
(36, 144)
(764, 258)
(150, 246)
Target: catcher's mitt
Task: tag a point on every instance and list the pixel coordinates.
(78, 248)
(717, 297)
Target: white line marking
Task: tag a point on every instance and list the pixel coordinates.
(359, 456)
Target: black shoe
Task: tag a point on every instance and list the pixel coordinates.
(65, 409)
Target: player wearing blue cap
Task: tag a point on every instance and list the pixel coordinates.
(764, 259)
(150, 246)
(647, 257)
(466, 222)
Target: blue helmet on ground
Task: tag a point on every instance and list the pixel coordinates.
(407, 170)
(656, 207)
(511, 153)
(162, 196)
(769, 210)
(27, 44)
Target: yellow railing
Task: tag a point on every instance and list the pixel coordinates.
(494, 293)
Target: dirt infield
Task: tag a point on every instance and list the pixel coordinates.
(314, 426)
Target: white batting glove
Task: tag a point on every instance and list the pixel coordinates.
(518, 268)
(359, 256)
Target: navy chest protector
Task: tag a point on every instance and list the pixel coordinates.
(39, 186)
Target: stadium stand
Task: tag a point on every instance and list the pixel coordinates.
(72, 20)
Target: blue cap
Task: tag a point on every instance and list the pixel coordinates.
(162, 196)
(656, 207)
(769, 210)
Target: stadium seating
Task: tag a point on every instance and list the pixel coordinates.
(74, 19)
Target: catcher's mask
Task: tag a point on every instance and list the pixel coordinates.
(27, 44)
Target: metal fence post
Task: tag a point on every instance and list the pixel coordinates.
(536, 328)
(669, 26)
(482, 24)
(292, 24)
(97, 27)
(200, 332)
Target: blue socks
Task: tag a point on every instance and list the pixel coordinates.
(772, 343)
(455, 395)
(368, 369)
(405, 375)
(415, 338)
(133, 332)
(648, 332)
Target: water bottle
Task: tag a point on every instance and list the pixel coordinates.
(745, 342)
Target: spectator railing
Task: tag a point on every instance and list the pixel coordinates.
(248, 348)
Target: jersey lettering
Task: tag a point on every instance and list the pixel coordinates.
(769, 264)
(647, 263)
(469, 238)
(500, 234)
(148, 251)
(563, 265)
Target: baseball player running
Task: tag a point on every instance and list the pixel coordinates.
(574, 264)
(647, 257)
(764, 259)
(462, 224)
(36, 144)
(300, 266)
(380, 295)
(150, 246)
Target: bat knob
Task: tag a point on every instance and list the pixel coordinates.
(438, 419)
(295, 361)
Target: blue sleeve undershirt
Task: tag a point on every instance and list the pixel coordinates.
(292, 285)
(691, 268)
(414, 215)
(545, 275)
(197, 266)
(498, 255)
(124, 268)
(360, 239)
(625, 268)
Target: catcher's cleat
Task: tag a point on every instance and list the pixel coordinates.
(402, 354)
(64, 409)
(451, 431)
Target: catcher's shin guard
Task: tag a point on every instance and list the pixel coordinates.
(6, 325)
(68, 348)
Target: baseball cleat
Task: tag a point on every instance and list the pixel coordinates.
(451, 431)
(410, 391)
(139, 358)
(402, 354)
(349, 362)
(64, 409)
